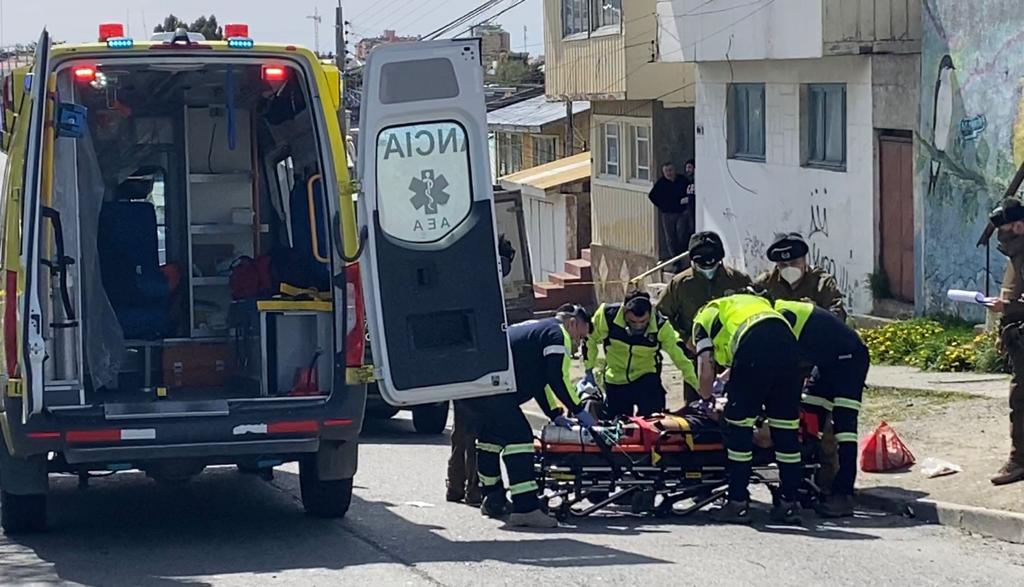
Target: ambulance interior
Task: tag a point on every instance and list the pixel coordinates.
(200, 266)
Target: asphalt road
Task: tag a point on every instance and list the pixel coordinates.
(230, 529)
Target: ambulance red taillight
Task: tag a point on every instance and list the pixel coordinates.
(85, 73)
(355, 337)
(111, 30)
(274, 73)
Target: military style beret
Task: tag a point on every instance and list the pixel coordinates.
(787, 247)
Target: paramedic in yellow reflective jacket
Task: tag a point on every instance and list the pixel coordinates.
(746, 334)
(633, 335)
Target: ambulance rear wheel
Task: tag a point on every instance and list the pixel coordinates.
(22, 514)
(321, 498)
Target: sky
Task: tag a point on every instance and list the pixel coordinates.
(76, 20)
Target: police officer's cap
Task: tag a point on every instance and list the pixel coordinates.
(578, 312)
(1011, 210)
(706, 248)
(787, 247)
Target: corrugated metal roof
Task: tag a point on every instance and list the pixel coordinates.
(550, 175)
(530, 115)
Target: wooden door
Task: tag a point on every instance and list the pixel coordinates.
(897, 215)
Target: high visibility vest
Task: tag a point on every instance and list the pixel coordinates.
(722, 324)
(796, 313)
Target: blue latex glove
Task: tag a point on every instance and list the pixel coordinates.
(563, 422)
(585, 419)
(718, 388)
(589, 377)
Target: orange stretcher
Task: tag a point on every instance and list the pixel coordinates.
(661, 465)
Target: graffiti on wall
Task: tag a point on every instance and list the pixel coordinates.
(970, 138)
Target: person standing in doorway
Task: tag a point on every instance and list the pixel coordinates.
(668, 196)
(690, 201)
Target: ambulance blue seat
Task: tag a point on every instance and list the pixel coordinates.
(130, 261)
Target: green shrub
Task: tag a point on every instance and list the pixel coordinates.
(936, 344)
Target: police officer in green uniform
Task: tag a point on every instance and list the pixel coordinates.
(746, 334)
(633, 335)
(706, 279)
(1009, 220)
(842, 361)
(793, 279)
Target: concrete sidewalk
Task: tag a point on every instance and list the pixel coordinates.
(899, 377)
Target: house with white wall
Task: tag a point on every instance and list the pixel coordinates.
(804, 121)
(641, 116)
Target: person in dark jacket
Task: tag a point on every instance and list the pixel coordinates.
(669, 196)
(542, 354)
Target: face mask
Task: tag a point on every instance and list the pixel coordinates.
(708, 273)
(791, 274)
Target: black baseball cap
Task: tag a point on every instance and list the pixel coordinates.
(706, 248)
(1009, 211)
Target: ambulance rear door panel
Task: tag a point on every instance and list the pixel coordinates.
(435, 306)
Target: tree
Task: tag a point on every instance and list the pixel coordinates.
(512, 72)
(171, 24)
(207, 26)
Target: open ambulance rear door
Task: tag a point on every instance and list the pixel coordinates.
(432, 277)
(33, 346)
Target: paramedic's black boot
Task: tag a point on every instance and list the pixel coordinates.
(786, 512)
(495, 505)
(534, 519)
(453, 495)
(733, 512)
(474, 496)
(836, 506)
(1011, 472)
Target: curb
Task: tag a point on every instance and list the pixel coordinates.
(1002, 525)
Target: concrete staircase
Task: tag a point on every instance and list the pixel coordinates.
(574, 285)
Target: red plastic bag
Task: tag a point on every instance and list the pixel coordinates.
(884, 451)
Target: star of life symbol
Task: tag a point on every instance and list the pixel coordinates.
(429, 191)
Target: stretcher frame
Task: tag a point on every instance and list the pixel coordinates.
(648, 475)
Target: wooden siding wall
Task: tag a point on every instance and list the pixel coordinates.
(582, 69)
(885, 25)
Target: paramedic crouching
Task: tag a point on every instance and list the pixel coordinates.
(633, 335)
(843, 361)
(746, 334)
(542, 354)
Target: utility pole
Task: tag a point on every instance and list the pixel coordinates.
(341, 59)
(317, 19)
(570, 133)
(526, 44)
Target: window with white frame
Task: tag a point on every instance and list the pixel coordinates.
(575, 17)
(544, 150)
(826, 126)
(510, 153)
(610, 152)
(746, 122)
(640, 152)
(605, 13)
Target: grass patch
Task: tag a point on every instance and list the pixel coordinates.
(900, 405)
(940, 344)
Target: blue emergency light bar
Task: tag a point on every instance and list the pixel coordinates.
(241, 43)
(120, 43)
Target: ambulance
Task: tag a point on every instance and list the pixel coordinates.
(186, 280)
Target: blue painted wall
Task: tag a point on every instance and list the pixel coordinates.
(962, 174)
